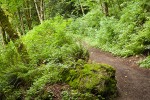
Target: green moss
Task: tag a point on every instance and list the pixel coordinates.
(98, 79)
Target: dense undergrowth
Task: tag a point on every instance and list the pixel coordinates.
(58, 68)
(124, 32)
(58, 65)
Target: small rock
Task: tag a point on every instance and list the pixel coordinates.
(136, 56)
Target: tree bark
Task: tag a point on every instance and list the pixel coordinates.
(28, 14)
(39, 5)
(5, 38)
(4, 23)
(21, 22)
(105, 8)
(81, 7)
(42, 9)
(12, 34)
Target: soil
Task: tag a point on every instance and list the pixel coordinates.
(56, 89)
(133, 82)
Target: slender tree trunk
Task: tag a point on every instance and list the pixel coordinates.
(21, 22)
(12, 34)
(4, 23)
(28, 14)
(37, 9)
(81, 7)
(39, 5)
(42, 9)
(105, 8)
(5, 39)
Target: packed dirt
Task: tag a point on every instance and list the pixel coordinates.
(133, 82)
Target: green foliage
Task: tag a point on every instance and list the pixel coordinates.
(11, 72)
(123, 33)
(49, 75)
(11, 5)
(144, 40)
(75, 95)
(144, 35)
(119, 34)
(56, 57)
(67, 8)
(145, 63)
(51, 52)
(48, 42)
(93, 78)
(103, 87)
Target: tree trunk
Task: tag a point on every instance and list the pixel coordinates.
(12, 34)
(21, 22)
(39, 5)
(28, 14)
(5, 38)
(42, 9)
(81, 7)
(4, 23)
(105, 8)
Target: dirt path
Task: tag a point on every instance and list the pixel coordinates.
(133, 82)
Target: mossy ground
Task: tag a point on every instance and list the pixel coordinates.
(83, 82)
(96, 79)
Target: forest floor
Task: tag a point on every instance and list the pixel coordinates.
(133, 82)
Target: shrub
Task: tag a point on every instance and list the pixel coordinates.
(145, 63)
(118, 35)
(54, 56)
(49, 49)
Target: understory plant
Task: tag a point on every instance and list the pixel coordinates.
(53, 55)
(118, 35)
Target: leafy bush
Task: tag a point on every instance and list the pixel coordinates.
(123, 33)
(120, 35)
(49, 49)
(54, 56)
(145, 63)
(103, 85)
(45, 45)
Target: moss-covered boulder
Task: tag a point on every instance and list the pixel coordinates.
(96, 79)
(82, 81)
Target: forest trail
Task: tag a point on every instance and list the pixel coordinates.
(133, 83)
